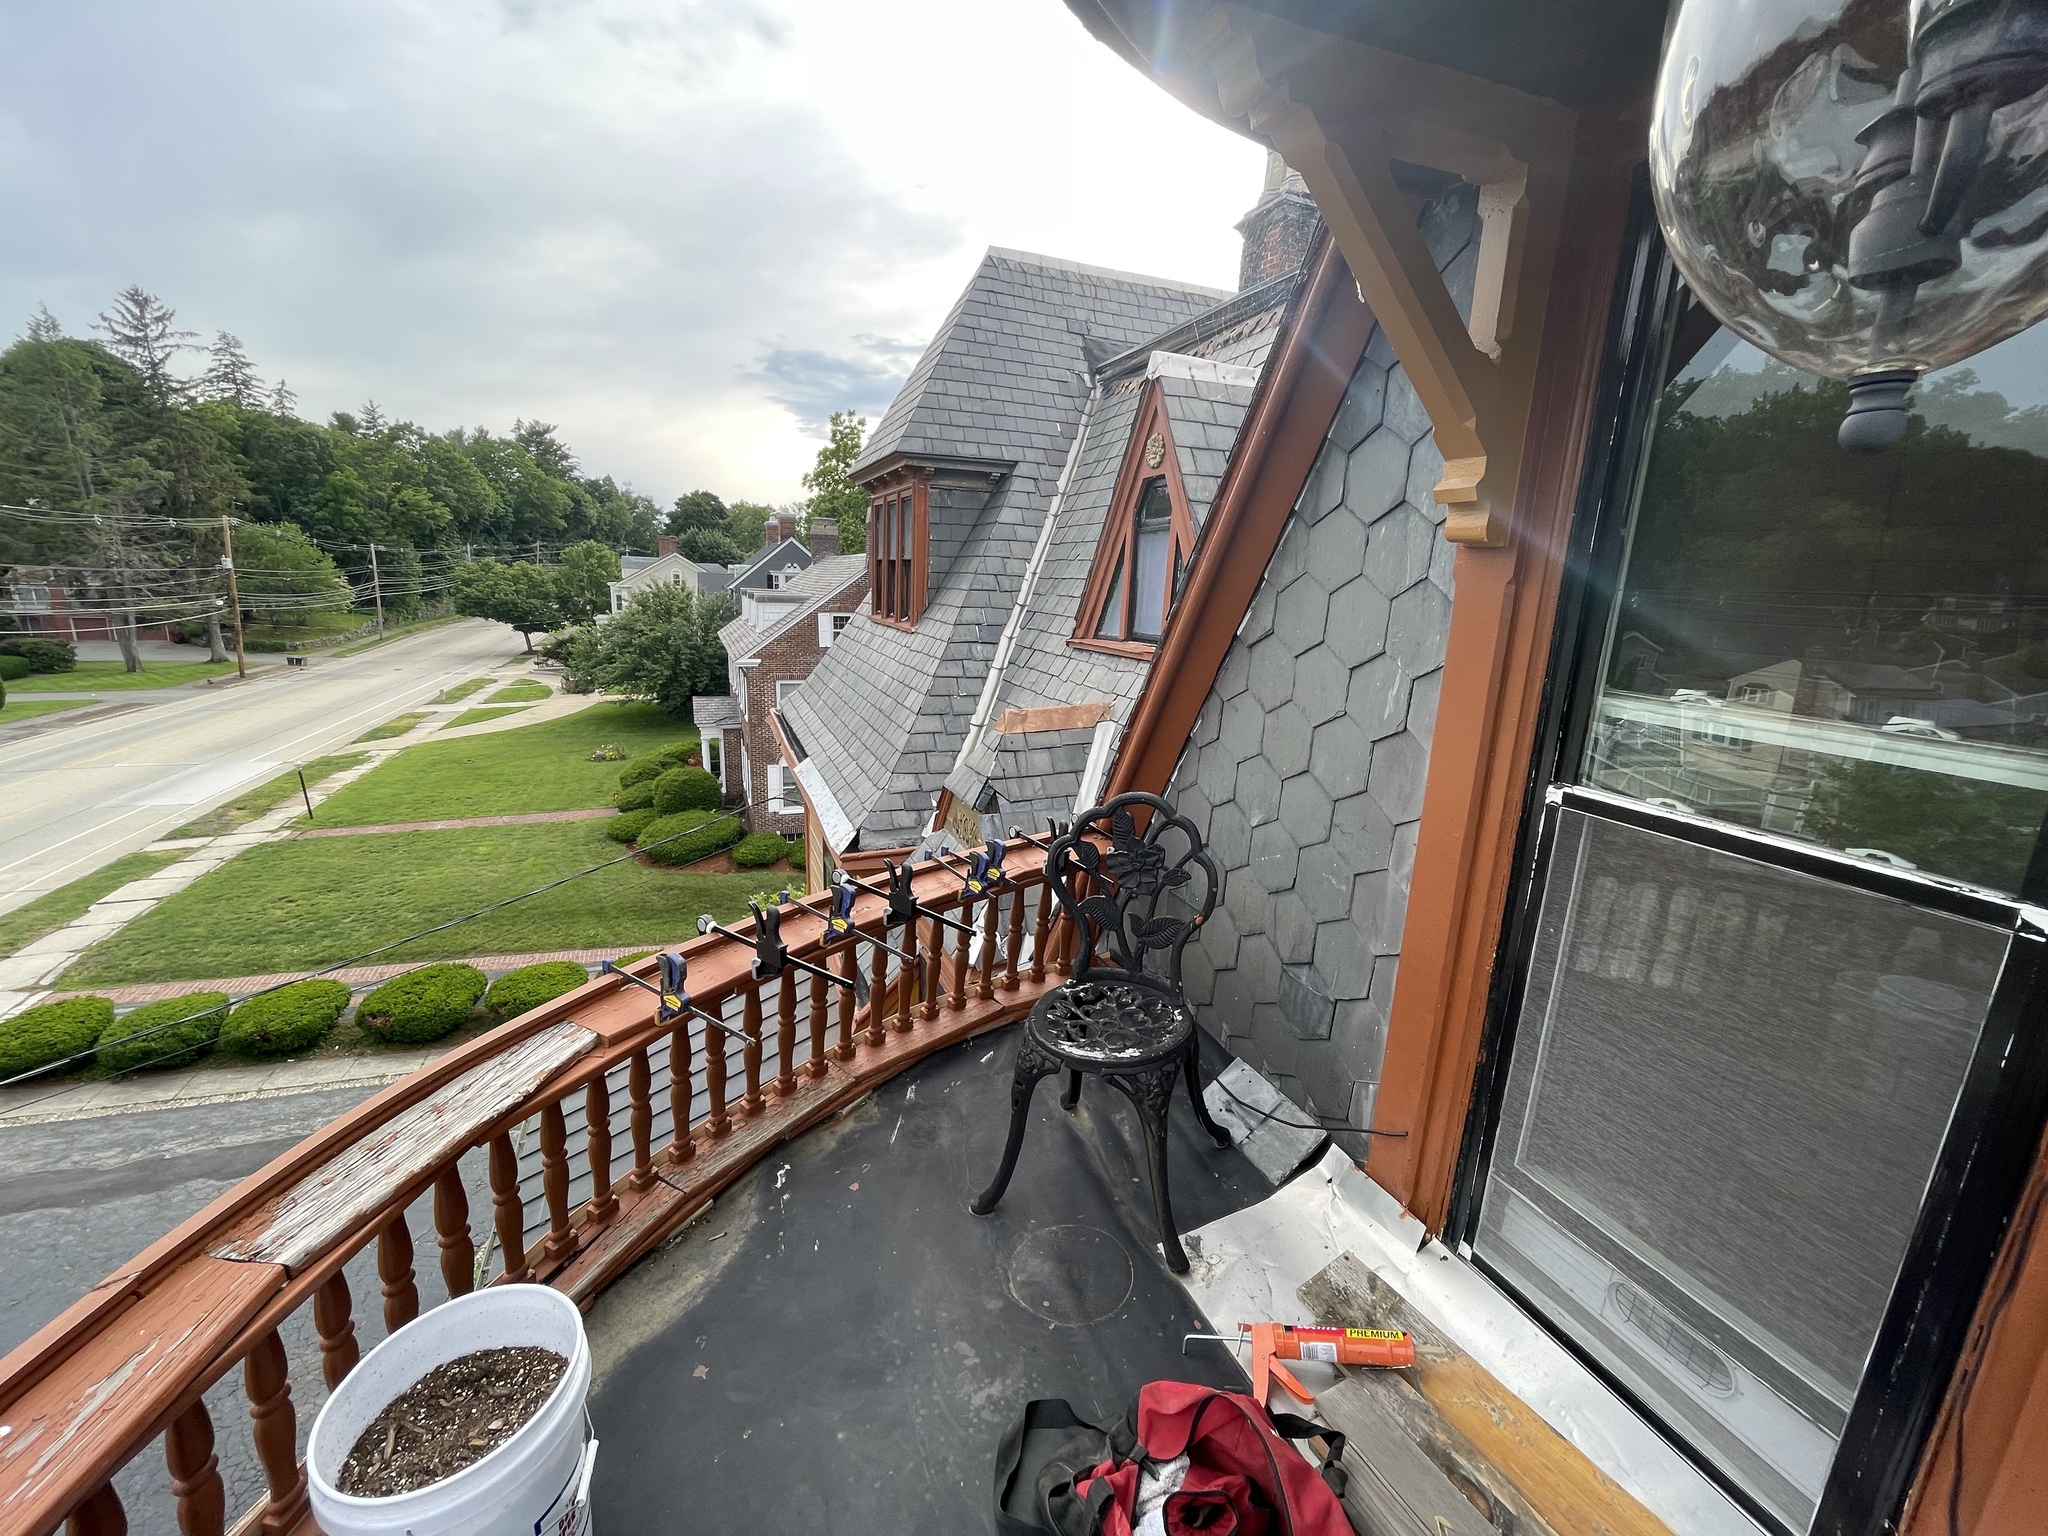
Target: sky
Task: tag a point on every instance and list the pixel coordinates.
(683, 232)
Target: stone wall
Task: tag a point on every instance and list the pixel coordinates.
(1308, 761)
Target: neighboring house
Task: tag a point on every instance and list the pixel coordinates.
(781, 556)
(639, 572)
(779, 637)
(41, 607)
(961, 472)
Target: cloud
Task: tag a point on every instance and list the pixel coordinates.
(684, 231)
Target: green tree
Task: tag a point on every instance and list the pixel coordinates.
(583, 580)
(282, 576)
(664, 648)
(833, 493)
(522, 596)
(229, 375)
(746, 523)
(698, 510)
(143, 332)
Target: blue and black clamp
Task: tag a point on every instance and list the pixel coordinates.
(984, 871)
(839, 925)
(1053, 829)
(902, 899)
(672, 997)
(771, 955)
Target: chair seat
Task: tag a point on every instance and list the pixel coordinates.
(1109, 1026)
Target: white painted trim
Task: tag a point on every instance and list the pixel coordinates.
(1204, 370)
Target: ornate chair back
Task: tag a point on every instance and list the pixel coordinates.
(1111, 879)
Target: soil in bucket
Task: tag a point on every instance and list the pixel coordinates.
(456, 1414)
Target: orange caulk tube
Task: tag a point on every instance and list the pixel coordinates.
(1274, 1342)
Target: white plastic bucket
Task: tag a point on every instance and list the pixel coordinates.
(536, 1484)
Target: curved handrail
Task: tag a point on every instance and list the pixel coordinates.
(130, 1360)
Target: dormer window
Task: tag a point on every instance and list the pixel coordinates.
(1146, 541)
(899, 545)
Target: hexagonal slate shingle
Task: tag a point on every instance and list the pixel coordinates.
(1298, 619)
(1357, 627)
(1377, 476)
(1341, 757)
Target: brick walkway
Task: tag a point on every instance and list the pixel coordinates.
(356, 976)
(460, 821)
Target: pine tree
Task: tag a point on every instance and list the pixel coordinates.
(143, 332)
(283, 402)
(370, 419)
(43, 326)
(229, 374)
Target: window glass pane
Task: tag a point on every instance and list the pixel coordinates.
(1844, 648)
(1153, 547)
(1718, 1131)
(1111, 625)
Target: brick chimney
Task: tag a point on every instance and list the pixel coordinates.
(664, 544)
(778, 528)
(1279, 229)
(824, 539)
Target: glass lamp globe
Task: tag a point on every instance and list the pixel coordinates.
(1859, 187)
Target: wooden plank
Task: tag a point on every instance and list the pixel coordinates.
(301, 1224)
(76, 1426)
(1052, 717)
(1483, 1433)
(1392, 1488)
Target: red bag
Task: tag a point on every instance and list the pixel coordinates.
(1243, 1478)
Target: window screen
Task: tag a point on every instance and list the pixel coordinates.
(1729, 1085)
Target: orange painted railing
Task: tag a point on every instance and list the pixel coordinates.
(129, 1364)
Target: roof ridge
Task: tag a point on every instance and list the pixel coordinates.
(1113, 274)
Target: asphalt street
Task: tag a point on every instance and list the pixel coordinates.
(79, 796)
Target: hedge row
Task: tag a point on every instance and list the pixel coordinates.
(158, 1036)
(527, 988)
(760, 850)
(294, 1018)
(700, 837)
(656, 763)
(687, 789)
(13, 668)
(637, 797)
(41, 655)
(421, 1005)
(39, 1036)
(627, 826)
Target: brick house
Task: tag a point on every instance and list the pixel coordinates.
(781, 633)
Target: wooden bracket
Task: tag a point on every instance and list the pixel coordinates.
(1473, 375)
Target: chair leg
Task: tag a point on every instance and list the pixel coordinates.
(1071, 1099)
(1151, 1095)
(1216, 1132)
(1030, 1068)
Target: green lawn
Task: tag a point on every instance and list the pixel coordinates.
(544, 767)
(28, 709)
(479, 716)
(315, 626)
(525, 691)
(250, 804)
(49, 912)
(108, 676)
(462, 691)
(397, 725)
(299, 905)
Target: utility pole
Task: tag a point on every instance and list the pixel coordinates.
(227, 542)
(377, 588)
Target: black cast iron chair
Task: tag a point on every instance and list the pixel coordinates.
(1125, 1020)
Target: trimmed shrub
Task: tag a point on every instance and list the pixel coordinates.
(796, 854)
(50, 1033)
(291, 1019)
(759, 850)
(687, 789)
(531, 985)
(40, 654)
(626, 826)
(3, 695)
(636, 797)
(702, 837)
(642, 771)
(13, 668)
(173, 1033)
(421, 1005)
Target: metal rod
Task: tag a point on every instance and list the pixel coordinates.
(798, 901)
(922, 910)
(787, 959)
(607, 968)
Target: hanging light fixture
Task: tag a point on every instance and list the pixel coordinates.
(1858, 187)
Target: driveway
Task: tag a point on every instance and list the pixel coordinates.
(80, 795)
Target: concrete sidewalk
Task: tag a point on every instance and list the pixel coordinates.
(355, 977)
(35, 1104)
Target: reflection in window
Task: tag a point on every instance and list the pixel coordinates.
(1152, 542)
(1847, 649)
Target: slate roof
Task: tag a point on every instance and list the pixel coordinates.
(716, 712)
(999, 390)
(799, 598)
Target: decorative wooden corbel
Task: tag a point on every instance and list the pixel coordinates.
(1473, 376)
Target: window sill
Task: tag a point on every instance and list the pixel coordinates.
(1139, 650)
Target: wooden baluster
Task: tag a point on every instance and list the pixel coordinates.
(1016, 939)
(266, 1378)
(1041, 933)
(394, 1268)
(985, 987)
(849, 967)
(451, 1226)
(878, 992)
(932, 968)
(814, 1065)
(597, 1134)
(100, 1514)
(640, 1091)
(963, 943)
(510, 1209)
(339, 1351)
(195, 1473)
(909, 976)
(554, 1181)
(750, 1051)
(714, 1074)
(682, 1146)
(785, 1034)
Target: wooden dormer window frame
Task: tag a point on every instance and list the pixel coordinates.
(1147, 541)
(899, 548)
